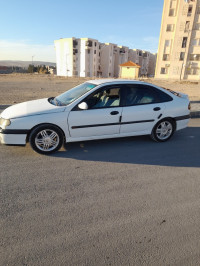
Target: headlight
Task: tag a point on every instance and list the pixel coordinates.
(4, 122)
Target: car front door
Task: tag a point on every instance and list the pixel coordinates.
(142, 108)
(102, 116)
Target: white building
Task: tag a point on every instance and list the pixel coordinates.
(86, 57)
(89, 57)
(108, 53)
(77, 57)
(144, 59)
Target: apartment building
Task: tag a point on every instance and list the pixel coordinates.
(65, 53)
(89, 57)
(86, 57)
(108, 53)
(77, 57)
(121, 57)
(145, 60)
(179, 45)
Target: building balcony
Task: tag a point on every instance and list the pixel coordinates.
(75, 43)
(88, 44)
(75, 51)
(122, 51)
(194, 57)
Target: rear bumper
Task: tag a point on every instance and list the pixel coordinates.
(13, 137)
(182, 121)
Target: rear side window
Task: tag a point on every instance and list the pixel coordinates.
(138, 94)
(163, 97)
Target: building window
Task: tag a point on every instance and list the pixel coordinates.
(167, 43)
(189, 11)
(88, 51)
(172, 12)
(164, 70)
(95, 44)
(95, 51)
(182, 56)
(170, 27)
(140, 53)
(196, 42)
(187, 26)
(193, 71)
(197, 26)
(166, 57)
(184, 42)
(194, 57)
(198, 10)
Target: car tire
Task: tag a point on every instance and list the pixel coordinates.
(163, 130)
(46, 139)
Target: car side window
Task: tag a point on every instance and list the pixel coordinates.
(143, 94)
(163, 97)
(137, 94)
(105, 98)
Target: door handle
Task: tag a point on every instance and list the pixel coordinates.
(156, 109)
(114, 113)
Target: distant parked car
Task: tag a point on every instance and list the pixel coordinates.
(96, 109)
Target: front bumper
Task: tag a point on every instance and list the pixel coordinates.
(13, 137)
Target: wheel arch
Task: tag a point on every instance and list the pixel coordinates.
(42, 124)
(167, 118)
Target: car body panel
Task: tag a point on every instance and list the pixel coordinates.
(31, 108)
(140, 117)
(96, 122)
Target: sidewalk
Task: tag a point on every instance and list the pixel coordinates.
(195, 109)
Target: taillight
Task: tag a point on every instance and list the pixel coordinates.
(189, 106)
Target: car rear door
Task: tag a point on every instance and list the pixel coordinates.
(142, 108)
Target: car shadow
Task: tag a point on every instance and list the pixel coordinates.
(183, 150)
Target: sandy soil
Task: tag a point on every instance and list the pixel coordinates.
(15, 88)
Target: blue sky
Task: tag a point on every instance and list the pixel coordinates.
(30, 27)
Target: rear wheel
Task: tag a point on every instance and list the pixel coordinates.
(46, 139)
(163, 130)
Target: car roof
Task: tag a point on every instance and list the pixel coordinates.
(113, 81)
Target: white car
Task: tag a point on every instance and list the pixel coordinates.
(96, 109)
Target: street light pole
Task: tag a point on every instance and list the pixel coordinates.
(32, 59)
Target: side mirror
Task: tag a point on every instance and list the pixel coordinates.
(83, 106)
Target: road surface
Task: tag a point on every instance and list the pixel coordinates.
(123, 201)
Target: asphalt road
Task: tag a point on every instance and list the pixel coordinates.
(112, 202)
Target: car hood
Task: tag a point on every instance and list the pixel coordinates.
(37, 107)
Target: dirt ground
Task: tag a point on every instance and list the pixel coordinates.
(15, 88)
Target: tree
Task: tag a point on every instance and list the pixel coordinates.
(30, 68)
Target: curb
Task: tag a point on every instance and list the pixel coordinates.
(193, 114)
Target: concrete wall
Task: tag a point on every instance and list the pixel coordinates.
(129, 72)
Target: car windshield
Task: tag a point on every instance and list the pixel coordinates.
(73, 94)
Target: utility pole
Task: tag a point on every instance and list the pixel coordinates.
(32, 59)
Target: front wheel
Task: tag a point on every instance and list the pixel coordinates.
(163, 130)
(46, 139)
